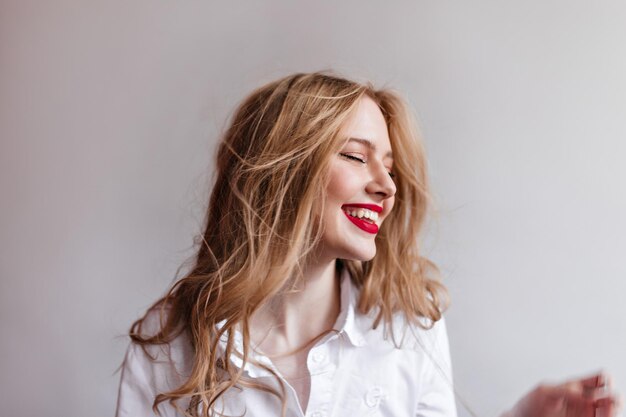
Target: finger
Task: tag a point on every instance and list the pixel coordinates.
(606, 407)
(579, 398)
(569, 389)
(595, 386)
(572, 401)
(598, 380)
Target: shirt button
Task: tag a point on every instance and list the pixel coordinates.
(318, 357)
(318, 414)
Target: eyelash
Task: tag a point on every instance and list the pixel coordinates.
(352, 157)
(357, 159)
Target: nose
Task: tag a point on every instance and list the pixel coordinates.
(381, 182)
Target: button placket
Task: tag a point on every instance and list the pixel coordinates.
(318, 358)
(321, 366)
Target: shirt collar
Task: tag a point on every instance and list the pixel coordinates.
(347, 323)
(254, 371)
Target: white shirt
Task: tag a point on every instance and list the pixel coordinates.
(355, 372)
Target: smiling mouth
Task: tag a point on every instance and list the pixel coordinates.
(364, 218)
(361, 213)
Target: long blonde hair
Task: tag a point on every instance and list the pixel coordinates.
(272, 163)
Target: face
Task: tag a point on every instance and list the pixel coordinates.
(360, 193)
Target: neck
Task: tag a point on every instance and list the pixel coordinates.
(293, 319)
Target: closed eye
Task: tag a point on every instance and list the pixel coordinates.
(352, 157)
(361, 160)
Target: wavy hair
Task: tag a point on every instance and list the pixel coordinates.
(271, 163)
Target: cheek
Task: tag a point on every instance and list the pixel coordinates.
(342, 186)
(388, 206)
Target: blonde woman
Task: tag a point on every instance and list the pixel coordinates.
(308, 295)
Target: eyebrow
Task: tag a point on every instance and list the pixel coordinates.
(370, 145)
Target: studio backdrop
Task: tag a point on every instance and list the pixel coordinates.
(110, 111)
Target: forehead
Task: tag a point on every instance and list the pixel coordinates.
(367, 122)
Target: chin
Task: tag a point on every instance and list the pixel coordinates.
(362, 255)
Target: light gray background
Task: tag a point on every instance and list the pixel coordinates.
(110, 111)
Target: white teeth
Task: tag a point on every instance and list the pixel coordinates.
(363, 213)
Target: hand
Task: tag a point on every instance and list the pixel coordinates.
(586, 397)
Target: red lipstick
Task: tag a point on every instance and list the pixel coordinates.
(363, 224)
(372, 207)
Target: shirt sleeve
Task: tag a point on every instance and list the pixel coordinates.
(142, 379)
(437, 388)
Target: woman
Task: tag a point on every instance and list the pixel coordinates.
(309, 295)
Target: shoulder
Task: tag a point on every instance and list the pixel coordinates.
(409, 361)
(415, 333)
(178, 352)
(152, 369)
(424, 334)
(420, 334)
